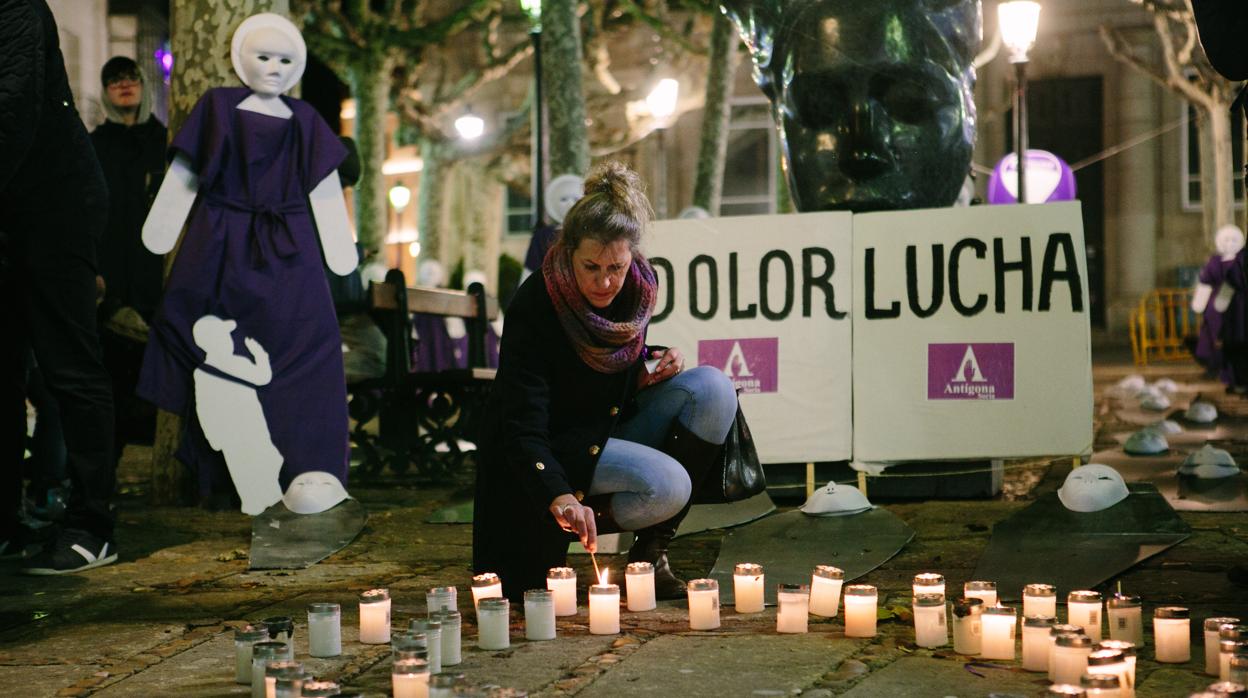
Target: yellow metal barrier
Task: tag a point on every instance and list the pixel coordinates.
(1161, 323)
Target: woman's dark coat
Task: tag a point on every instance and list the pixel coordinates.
(544, 429)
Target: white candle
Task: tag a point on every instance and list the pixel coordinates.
(1227, 649)
(452, 626)
(441, 599)
(1212, 651)
(410, 678)
(968, 626)
(1172, 634)
(324, 629)
(261, 654)
(1110, 662)
(493, 623)
(409, 645)
(792, 608)
(931, 628)
(860, 602)
(280, 668)
(1083, 608)
(1070, 657)
(1125, 614)
(289, 685)
(375, 617)
(1054, 633)
(703, 597)
(444, 685)
(1039, 600)
(1239, 669)
(747, 587)
(244, 638)
(1128, 657)
(999, 624)
(1036, 642)
(604, 607)
(432, 630)
(282, 629)
(639, 584)
(1061, 690)
(561, 581)
(928, 583)
(320, 689)
(825, 590)
(486, 586)
(980, 589)
(1101, 685)
(539, 615)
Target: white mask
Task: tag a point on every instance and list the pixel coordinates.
(1209, 463)
(1146, 442)
(1093, 487)
(836, 500)
(1201, 412)
(1131, 384)
(694, 213)
(1166, 426)
(562, 192)
(430, 273)
(1229, 240)
(314, 492)
(268, 54)
(1167, 385)
(1155, 400)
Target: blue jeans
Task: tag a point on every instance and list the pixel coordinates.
(650, 486)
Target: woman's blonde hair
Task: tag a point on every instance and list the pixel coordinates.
(613, 208)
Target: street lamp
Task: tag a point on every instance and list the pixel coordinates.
(533, 8)
(470, 126)
(662, 104)
(400, 196)
(1018, 21)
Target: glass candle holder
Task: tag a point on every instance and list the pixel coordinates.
(1129, 652)
(324, 629)
(860, 602)
(409, 678)
(409, 644)
(562, 582)
(639, 584)
(1101, 685)
(288, 672)
(244, 638)
(1036, 631)
(1110, 662)
(452, 627)
(320, 689)
(1226, 689)
(1070, 657)
(792, 608)
(445, 684)
(999, 628)
(928, 583)
(1226, 650)
(539, 615)
(432, 630)
(1212, 627)
(486, 586)
(931, 628)
(604, 609)
(441, 599)
(1172, 634)
(1083, 608)
(747, 586)
(375, 617)
(1065, 690)
(1126, 618)
(825, 590)
(703, 596)
(1039, 600)
(282, 629)
(261, 654)
(980, 589)
(1054, 633)
(968, 626)
(1239, 669)
(493, 623)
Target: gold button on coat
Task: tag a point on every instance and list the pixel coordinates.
(593, 450)
(540, 465)
(580, 496)
(615, 411)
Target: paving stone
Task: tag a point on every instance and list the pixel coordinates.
(926, 677)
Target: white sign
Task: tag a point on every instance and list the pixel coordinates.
(766, 299)
(971, 334)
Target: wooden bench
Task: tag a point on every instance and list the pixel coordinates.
(422, 416)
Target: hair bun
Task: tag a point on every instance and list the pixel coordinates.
(621, 186)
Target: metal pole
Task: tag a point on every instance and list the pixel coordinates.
(661, 179)
(539, 133)
(1020, 127)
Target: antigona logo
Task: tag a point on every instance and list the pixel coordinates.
(752, 364)
(970, 371)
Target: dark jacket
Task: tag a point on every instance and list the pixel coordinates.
(544, 428)
(1222, 25)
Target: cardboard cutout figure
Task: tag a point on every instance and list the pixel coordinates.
(1229, 240)
(254, 179)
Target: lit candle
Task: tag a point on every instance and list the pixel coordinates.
(1239, 669)
(860, 610)
(825, 590)
(1083, 608)
(1227, 650)
(407, 645)
(1101, 685)
(444, 685)
(928, 583)
(493, 623)
(1225, 688)
(562, 582)
(452, 626)
(639, 582)
(999, 623)
(324, 629)
(968, 626)
(261, 654)
(539, 615)
(289, 684)
(1039, 600)
(1172, 634)
(1128, 657)
(1055, 632)
(703, 597)
(747, 586)
(486, 586)
(1126, 618)
(410, 678)
(1110, 662)
(432, 630)
(1070, 657)
(282, 629)
(320, 689)
(375, 617)
(931, 629)
(280, 668)
(979, 589)
(441, 599)
(1212, 652)
(244, 638)
(1065, 690)
(792, 608)
(604, 607)
(1036, 642)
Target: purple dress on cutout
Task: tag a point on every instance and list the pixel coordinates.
(1208, 349)
(251, 253)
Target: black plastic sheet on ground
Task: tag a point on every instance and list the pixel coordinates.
(284, 540)
(1184, 493)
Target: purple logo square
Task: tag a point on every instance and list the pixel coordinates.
(970, 371)
(752, 364)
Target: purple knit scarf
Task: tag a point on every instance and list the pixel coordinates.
(604, 345)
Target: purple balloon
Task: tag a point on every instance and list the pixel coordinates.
(1049, 178)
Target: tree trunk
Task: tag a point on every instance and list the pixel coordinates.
(200, 38)
(370, 85)
(561, 81)
(1223, 189)
(1207, 214)
(430, 195)
(709, 183)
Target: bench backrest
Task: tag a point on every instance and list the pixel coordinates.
(392, 302)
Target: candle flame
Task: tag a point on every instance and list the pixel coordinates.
(602, 577)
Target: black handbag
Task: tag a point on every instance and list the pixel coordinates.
(740, 474)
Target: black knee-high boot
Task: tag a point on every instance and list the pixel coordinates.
(697, 457)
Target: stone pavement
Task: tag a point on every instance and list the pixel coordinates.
(158, 623)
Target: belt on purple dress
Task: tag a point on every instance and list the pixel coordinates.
(270, 233)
